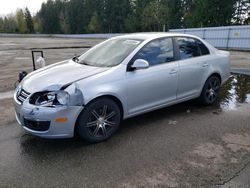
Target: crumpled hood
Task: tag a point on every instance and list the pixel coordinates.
(57, 75)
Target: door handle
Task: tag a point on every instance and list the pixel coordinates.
(173, 71)
(205, 65)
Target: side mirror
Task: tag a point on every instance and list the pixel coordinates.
(140, 64)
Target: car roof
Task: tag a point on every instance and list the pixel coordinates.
(152, 35)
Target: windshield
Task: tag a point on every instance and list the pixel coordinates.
(109, 53)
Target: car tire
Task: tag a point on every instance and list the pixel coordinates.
(99, 120)
(210, 91)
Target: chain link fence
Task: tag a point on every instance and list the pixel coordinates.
(228, 37)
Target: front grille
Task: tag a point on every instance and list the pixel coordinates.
(22, 95)
(37, 125)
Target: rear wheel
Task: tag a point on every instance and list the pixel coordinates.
(99, 120)
(210, 90)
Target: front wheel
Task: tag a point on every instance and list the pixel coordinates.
(99, 120)
(210, 91)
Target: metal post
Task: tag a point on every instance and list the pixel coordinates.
(204, 34)
(228, 37)
(33, 58)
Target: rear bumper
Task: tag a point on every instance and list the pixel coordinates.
(43, 121)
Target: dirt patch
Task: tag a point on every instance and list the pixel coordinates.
(196, 164)
(210, 155)
(157, 177)
(234, 160)
(237, 142)
(154, 180)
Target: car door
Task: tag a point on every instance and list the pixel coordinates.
(156, 85)
(192, 67)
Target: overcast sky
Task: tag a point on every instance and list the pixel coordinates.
(10, 6)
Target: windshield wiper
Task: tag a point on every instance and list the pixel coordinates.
(76, 59)
(84, 63)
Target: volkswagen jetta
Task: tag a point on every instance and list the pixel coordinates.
(119, 78)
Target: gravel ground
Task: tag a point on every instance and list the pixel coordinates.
(16, 56)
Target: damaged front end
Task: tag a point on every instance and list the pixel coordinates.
(69, 95)
(51, 113)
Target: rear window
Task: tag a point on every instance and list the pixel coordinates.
(203, 49)
(188, 47)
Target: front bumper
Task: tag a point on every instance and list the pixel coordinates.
(43, 121)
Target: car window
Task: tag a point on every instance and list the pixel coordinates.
(109, 53)
(157, 52)
(203, 49)
(188, 47)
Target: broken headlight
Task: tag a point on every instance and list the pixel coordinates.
(50, 99)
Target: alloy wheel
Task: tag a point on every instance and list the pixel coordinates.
(101, 121)
(212, 90)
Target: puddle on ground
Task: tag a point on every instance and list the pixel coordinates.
(235, 92)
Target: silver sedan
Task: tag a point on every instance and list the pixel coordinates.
(119, 78)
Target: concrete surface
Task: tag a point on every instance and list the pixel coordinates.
(241, 70)
(187, 145)
(206, 147)
(240, 59)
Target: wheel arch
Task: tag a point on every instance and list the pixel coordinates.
(215, 74)
(201, 96)
(117, 101)
(112, 97)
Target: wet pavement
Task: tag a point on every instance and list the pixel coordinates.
(235, 92)
(186, 145)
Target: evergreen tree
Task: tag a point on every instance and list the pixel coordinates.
(209, 13)
(247, 20)
(49, 17)
(10, 24)
(135, 22)
(119, 16)
(22, 26)
(37, 24)
(94, 24)
(1, 25)
(175, 14)
(242, 11)
(77, 16)
(29, 21)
